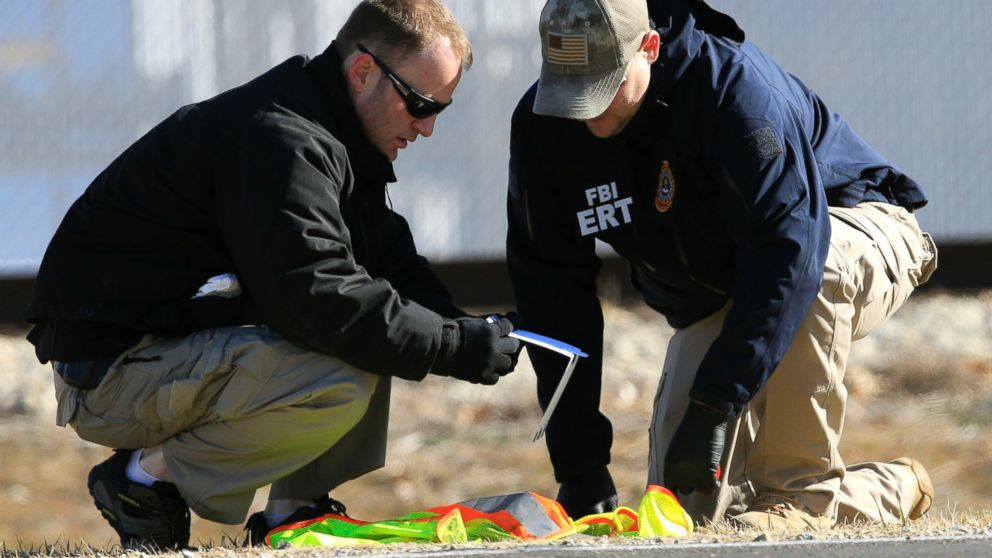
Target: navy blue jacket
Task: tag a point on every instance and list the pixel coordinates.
(717, 191)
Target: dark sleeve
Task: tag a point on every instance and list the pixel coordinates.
(774, 207)
(280, 214)
(406, 270)
(553, 272)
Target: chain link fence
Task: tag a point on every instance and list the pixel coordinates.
(80, 81)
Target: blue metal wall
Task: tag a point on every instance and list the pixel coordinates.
(912, 76)
(79, 81)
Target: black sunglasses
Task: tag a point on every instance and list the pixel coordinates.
(417, 104)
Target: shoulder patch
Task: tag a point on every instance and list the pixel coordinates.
(763, 144)
(665, 194)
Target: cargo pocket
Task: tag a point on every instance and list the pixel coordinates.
(179, 401)
(909, 252)
(113, 398)
(106, 413)
(210, 386)
(914, 251)
(916, 247)
(852, 218)
(899, 258)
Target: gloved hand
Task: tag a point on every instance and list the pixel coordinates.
(516, 322)
(693, 459)
(477, 350)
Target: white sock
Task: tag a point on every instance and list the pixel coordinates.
(136, 473)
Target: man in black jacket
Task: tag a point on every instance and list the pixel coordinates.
(764, 229)
(227, 301)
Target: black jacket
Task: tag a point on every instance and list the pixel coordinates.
(273, 181)
(716, 191)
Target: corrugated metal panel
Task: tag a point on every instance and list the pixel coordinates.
(912, 76)
(81, 81)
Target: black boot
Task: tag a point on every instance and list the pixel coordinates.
(589, 493)
(154, 516)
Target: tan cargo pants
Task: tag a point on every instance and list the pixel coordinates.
(237, 408)
(789, 433)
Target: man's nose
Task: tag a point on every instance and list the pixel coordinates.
(425, 126)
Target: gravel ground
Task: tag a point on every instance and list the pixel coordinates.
(921, 385)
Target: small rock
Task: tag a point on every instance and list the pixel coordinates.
(762, 538)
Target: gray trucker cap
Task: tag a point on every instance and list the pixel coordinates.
(586, 45)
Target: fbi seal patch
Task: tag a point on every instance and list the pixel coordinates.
(665, 195)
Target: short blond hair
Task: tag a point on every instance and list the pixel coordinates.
(397, 28)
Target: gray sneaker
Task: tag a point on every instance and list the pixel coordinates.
(144, 516)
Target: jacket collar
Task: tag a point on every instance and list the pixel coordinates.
(366, 160)
(683, 26)
(662, 82)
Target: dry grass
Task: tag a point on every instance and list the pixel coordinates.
(945, 523)
(921, 386)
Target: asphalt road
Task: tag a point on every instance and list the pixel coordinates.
(928, 547)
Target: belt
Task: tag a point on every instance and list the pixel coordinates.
(84, 374)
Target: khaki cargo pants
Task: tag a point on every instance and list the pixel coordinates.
(237, 408)
(789, 433)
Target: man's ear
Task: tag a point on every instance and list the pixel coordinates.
(651, 45)
(359, 71)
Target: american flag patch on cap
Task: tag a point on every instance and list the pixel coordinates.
(568, 50)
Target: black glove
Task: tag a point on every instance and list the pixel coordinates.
(477, 350)
(693, 459)
(515, 323)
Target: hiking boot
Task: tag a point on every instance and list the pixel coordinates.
(924, 486)
(588, 494)
(152, 516)
(776, 511)
(258, 528)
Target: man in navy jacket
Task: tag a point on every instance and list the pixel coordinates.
(767, 232)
